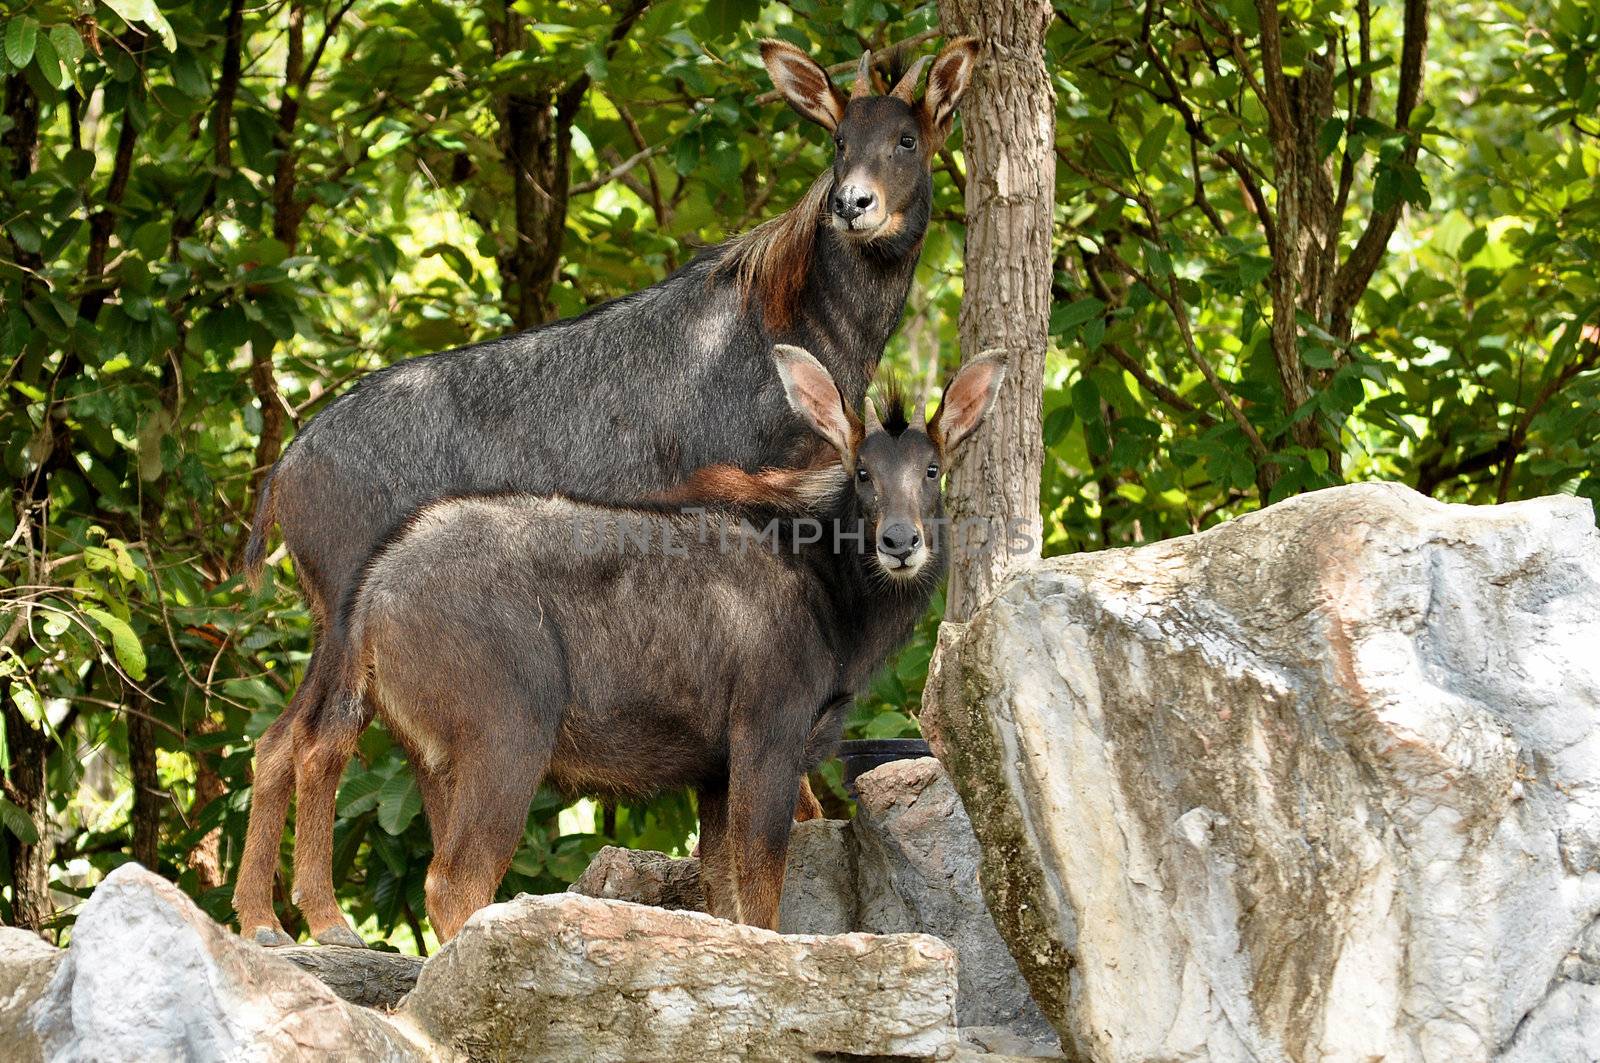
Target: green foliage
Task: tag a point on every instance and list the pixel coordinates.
(161, 307)
(171, 308)
(1469, 369)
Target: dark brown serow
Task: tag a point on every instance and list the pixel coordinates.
(511, 639)
(688, 358)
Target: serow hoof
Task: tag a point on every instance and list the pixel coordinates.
(270, 937)
(341, 935)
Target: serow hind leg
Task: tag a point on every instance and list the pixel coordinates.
(761, 795)
(489, 788)
(270, 793)
(323, 754)
(716, 859)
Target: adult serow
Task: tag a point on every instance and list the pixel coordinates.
(626, 400)
(709, 641)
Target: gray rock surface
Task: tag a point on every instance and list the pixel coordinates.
(367, 977)
(907, 863)
(1322, 783)
(569, 977)
(149, 976)
(819, 884)
(917, 871)
(642, 877)
(27, 963)
(818, 887)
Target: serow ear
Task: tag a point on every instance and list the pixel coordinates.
(967, 400)
(951, 74)
(803, 83)
(815, 397)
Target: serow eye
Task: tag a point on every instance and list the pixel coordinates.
(933, 472)
(838, 142)
(908, 142)
(861, 474)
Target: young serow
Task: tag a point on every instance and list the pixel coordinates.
(688, 359)
(514, 638)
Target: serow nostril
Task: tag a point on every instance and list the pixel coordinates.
(898, 542)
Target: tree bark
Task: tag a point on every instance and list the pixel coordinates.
(206, 857)
(147, 795)
(29, 750)
(536, 147)
(27, 746)
(1008, 118)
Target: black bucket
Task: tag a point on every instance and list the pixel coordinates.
(861, 755)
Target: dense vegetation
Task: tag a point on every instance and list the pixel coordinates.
(1290, 252)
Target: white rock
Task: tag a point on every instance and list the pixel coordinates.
(27, 963)
(570, 977)
(917, 872)
(149, 976)
(1322, 783)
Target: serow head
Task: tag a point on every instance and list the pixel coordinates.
(895, 461)
(883, 145)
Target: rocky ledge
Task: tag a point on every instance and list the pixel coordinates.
(1322, 783)
(565, 977)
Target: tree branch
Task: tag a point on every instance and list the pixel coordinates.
(1232, 159)
(228, 87)
(1356, 273)
(568, 99)
(1120, 355)
(330, 26)
(1170, 294)
(104, 221)
(621, 168)
(1517, 440)
(657, 204)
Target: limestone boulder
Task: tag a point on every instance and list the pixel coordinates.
(917, 870)
(27, 963)
(570, 977)
(642, 877)
(819, 883)
(1322, 783)
(368, 977)
(149, 976)
(906, 863)
(818, 888)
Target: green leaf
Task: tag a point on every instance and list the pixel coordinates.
(22, 33)
(1154, 142)
(69, 46)
(1070, 315)
(50, 63)
(1156, 260)
(145, 11)
(1253, 269)
(399, 801)
(361, 793)
(1329, 136)
(1057, 425)
(1316, 357)
(1386, 189)
(1094, 330)
(18, 822)
(124, 643)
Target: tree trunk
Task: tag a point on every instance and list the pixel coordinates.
(206, 857)
(147, 795)
(1008, 118)
(28, 748)
(536, 148)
